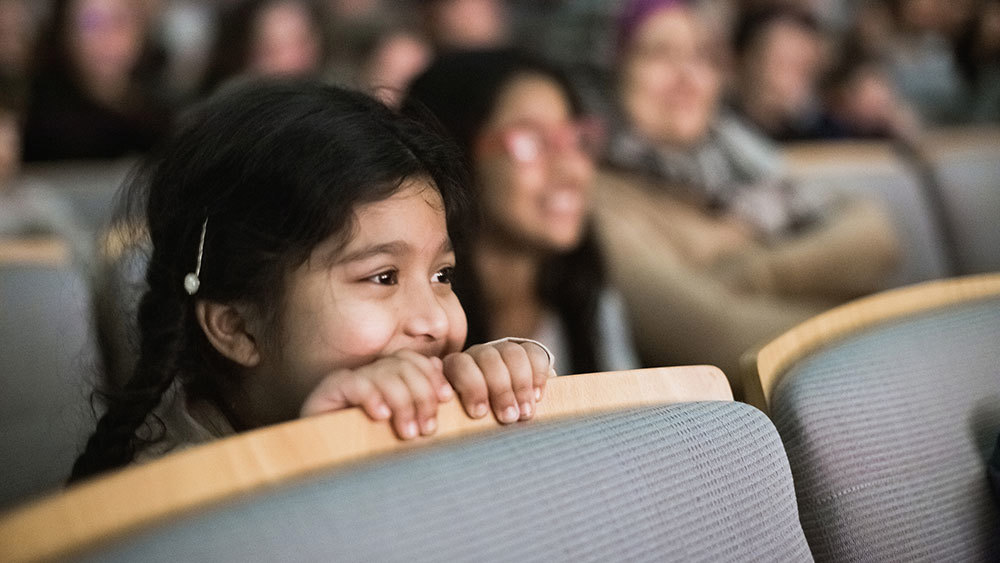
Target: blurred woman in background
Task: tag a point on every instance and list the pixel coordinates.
(288, 38)
(533, 268)
(94, 93)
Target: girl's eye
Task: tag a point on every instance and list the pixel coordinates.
(445, 275)
(390, 277)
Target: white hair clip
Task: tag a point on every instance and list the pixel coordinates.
(191, 281)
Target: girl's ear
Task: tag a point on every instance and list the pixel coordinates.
(228, 329)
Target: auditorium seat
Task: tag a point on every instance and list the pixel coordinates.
(48, 360)
(965, 163)
(651, 479)
(889, 408)
(876, 170)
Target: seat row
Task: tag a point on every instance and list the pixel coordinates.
(882, 414)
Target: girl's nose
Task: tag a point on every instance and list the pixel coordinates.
(426, 317)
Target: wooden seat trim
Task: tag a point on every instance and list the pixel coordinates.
(107, 507)
(763, 370)
(40, 251)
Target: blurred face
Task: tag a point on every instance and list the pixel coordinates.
(386, 290)
(105, 38)
(669, 85)
(533, 169)
(285, 41)
(469, 23)
(394, 64)
(782, 69)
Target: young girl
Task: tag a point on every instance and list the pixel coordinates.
(302, 264)
(534, 268)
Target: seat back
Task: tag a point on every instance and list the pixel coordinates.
(48, 360)
(875, 171)
(107, 507)
(688, 482)
(966, 167)
(888, 427)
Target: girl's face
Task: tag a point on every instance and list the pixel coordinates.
(532, 167)
(285, 41)
(387, 289)
(669, 84)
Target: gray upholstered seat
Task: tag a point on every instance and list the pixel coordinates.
(875, 171)
(687, 482)
(888, 433)
(48, 361)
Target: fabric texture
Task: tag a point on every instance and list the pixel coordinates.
(688, 482)
(888, 434)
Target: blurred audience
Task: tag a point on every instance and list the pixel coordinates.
(921, 59)
(94, 94)
(396, 55)
(269, 38)
(780, 56)
(28, 209)
(466, 24)
(533, 268)
(862, 102)
(691, 191)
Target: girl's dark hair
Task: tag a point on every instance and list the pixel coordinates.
(461, 90)
(276, 168)
(234, 32)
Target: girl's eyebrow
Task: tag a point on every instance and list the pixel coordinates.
(394, 248)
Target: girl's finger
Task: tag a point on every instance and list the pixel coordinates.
(498, 383)
(397, 395)
(423, 395)
(433, 369)
(465, 376)
(518, 365)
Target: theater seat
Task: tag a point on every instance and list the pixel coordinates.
(889, 408)
(876, 171)
(48, 360)
(689, 482)
(965, 163)
(674, 471)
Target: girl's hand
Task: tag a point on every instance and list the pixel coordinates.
(510, 376)
(406, 386)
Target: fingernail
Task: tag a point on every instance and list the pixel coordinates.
(525, 410)
(538, 393)
(410, 430)
(382, 411)
(445, 393)
(509, 414)
(479, 410)
(429, 426)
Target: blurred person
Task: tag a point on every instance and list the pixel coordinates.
(715, 250)
(28, 208)
(862, 101)
(288, 38)
(466, 24)
(921, 60)
(397, 55)
(780, 55)
(94, 94)
(532, 268)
